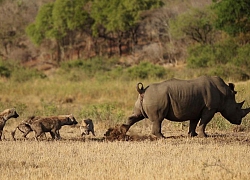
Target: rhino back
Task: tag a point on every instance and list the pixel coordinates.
(180, 100)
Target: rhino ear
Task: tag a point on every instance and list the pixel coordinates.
(231, 86)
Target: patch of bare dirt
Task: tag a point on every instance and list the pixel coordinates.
(116, 134)
(239, 137)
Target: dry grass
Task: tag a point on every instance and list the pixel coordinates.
(225, 155)
(173, 158)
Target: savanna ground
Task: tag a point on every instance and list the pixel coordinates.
(223, 155)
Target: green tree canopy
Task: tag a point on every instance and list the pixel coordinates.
(233, 16)
(43, 27)
(196, 24)
(56, 20)
(117, 15)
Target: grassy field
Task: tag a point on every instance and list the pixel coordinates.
(223, 155)
(173, 158)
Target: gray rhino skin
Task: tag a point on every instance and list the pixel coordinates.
(181, 100)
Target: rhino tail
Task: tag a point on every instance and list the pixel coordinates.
(140, 88)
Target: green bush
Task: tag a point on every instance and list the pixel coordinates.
(243, 57)
(22, 74)
(211, 55)
(4, 69)
(18, 73)
(225, 71)
(89, 66)
(77, 70)
(146, 70)
(104, 113)
(199, 56)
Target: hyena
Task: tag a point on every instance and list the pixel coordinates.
(86, 127)
(24, 127)
(51, 124)
(6, 115)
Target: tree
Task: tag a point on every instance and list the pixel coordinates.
(15, 15)
(233, 16)
(60, 21)
(119, 18)
(197, 25)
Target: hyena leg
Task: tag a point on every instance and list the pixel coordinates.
(1, 132)
(13, 133)
(38, 133)
(58, 136)
(52, 135)
(92, 131)
(26, 133)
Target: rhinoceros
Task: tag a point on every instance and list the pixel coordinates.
(182, 100)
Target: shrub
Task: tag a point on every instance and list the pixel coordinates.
(22, 74)
(104, 113)
(4, 71)
(199, 56)
(226, 71)
(146, 70)
(211, 55)
(243, 57)
(89, 66)
(18, 73)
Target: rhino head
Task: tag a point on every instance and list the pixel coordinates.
(233, 112)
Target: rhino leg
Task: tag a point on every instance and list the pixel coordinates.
(131, 120)
(206, 117)
(192, 127)
(156, 130)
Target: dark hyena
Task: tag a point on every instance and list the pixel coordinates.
(24, 127)
(86, 127)
(51, 124)
(6, 115)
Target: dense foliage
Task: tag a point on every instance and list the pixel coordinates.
(201, 34)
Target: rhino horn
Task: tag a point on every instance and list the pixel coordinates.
(245, 112)
(241, 103)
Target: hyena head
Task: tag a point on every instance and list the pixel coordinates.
(86, 127)
(9, 113)
(72, 120)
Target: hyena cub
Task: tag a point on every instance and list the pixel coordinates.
(86, 127)
(51, 124)
(6, 115)
(24, 127)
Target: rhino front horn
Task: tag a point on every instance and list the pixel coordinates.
(241, 103)
(245, 112)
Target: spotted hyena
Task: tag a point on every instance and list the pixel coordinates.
(5, 116)
(24, 126)
(51, 124)
(86, 127)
